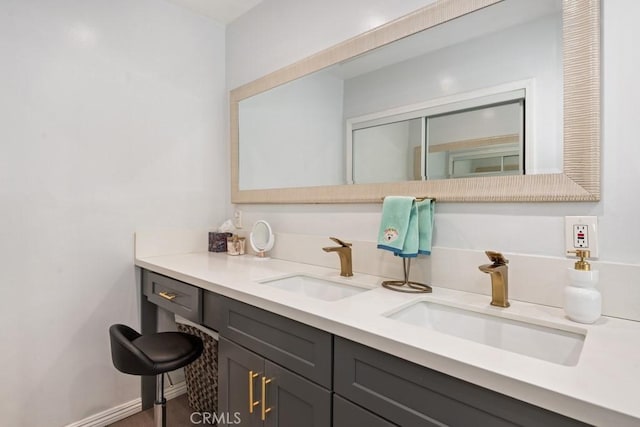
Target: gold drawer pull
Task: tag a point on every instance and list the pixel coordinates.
(265, 410)
(252, 375)
(167, 295)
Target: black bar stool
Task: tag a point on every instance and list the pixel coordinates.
(153, 354)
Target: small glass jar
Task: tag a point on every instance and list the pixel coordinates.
(235, 245)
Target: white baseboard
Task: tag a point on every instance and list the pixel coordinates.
(126, 409)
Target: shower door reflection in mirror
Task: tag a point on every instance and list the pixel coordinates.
(475, 136)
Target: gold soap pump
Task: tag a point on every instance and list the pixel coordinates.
(582, 301)
(581, 264)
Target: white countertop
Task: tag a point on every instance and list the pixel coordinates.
(601, 389)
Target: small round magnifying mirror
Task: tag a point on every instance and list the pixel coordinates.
(261, 238)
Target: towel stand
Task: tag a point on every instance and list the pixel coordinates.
(406, 285)
(419, 199)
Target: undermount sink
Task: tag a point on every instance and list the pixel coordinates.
(541, 342)
(315, 287)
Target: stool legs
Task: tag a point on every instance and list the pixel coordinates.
(160, 405)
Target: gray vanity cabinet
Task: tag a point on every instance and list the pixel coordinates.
(315, 379)
(259, 350)
(235, 366)
(303, 349)
(412, 395)
(289, 400)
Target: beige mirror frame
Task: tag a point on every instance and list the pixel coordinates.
(580, 180)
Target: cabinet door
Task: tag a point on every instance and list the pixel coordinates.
(293, 401)
(239, 374)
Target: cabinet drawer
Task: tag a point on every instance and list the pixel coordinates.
(293, 345)
(412, 395)
(347, 414)
(173, 295)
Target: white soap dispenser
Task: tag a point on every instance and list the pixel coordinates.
(582, 301)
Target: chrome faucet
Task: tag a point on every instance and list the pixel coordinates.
(499, 272)
(344, 252)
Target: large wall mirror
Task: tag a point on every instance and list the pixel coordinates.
(463, 100)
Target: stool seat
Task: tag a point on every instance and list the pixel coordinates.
(152, 354)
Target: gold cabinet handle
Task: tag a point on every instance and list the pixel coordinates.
(252, 376)
(167, 295)
(265, 410)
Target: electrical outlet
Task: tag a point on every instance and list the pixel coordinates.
(580, 236)
(581, 232)
(237, 218)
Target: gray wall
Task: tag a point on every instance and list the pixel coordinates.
(113, 120)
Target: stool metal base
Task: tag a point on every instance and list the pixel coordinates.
(159, 414)
(160, 405)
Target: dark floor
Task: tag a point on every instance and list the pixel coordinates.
(178, 415)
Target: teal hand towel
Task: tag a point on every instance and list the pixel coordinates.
(425, 225)
(399, 226)
(412, 238)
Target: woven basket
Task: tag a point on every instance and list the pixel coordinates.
(202, 375)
